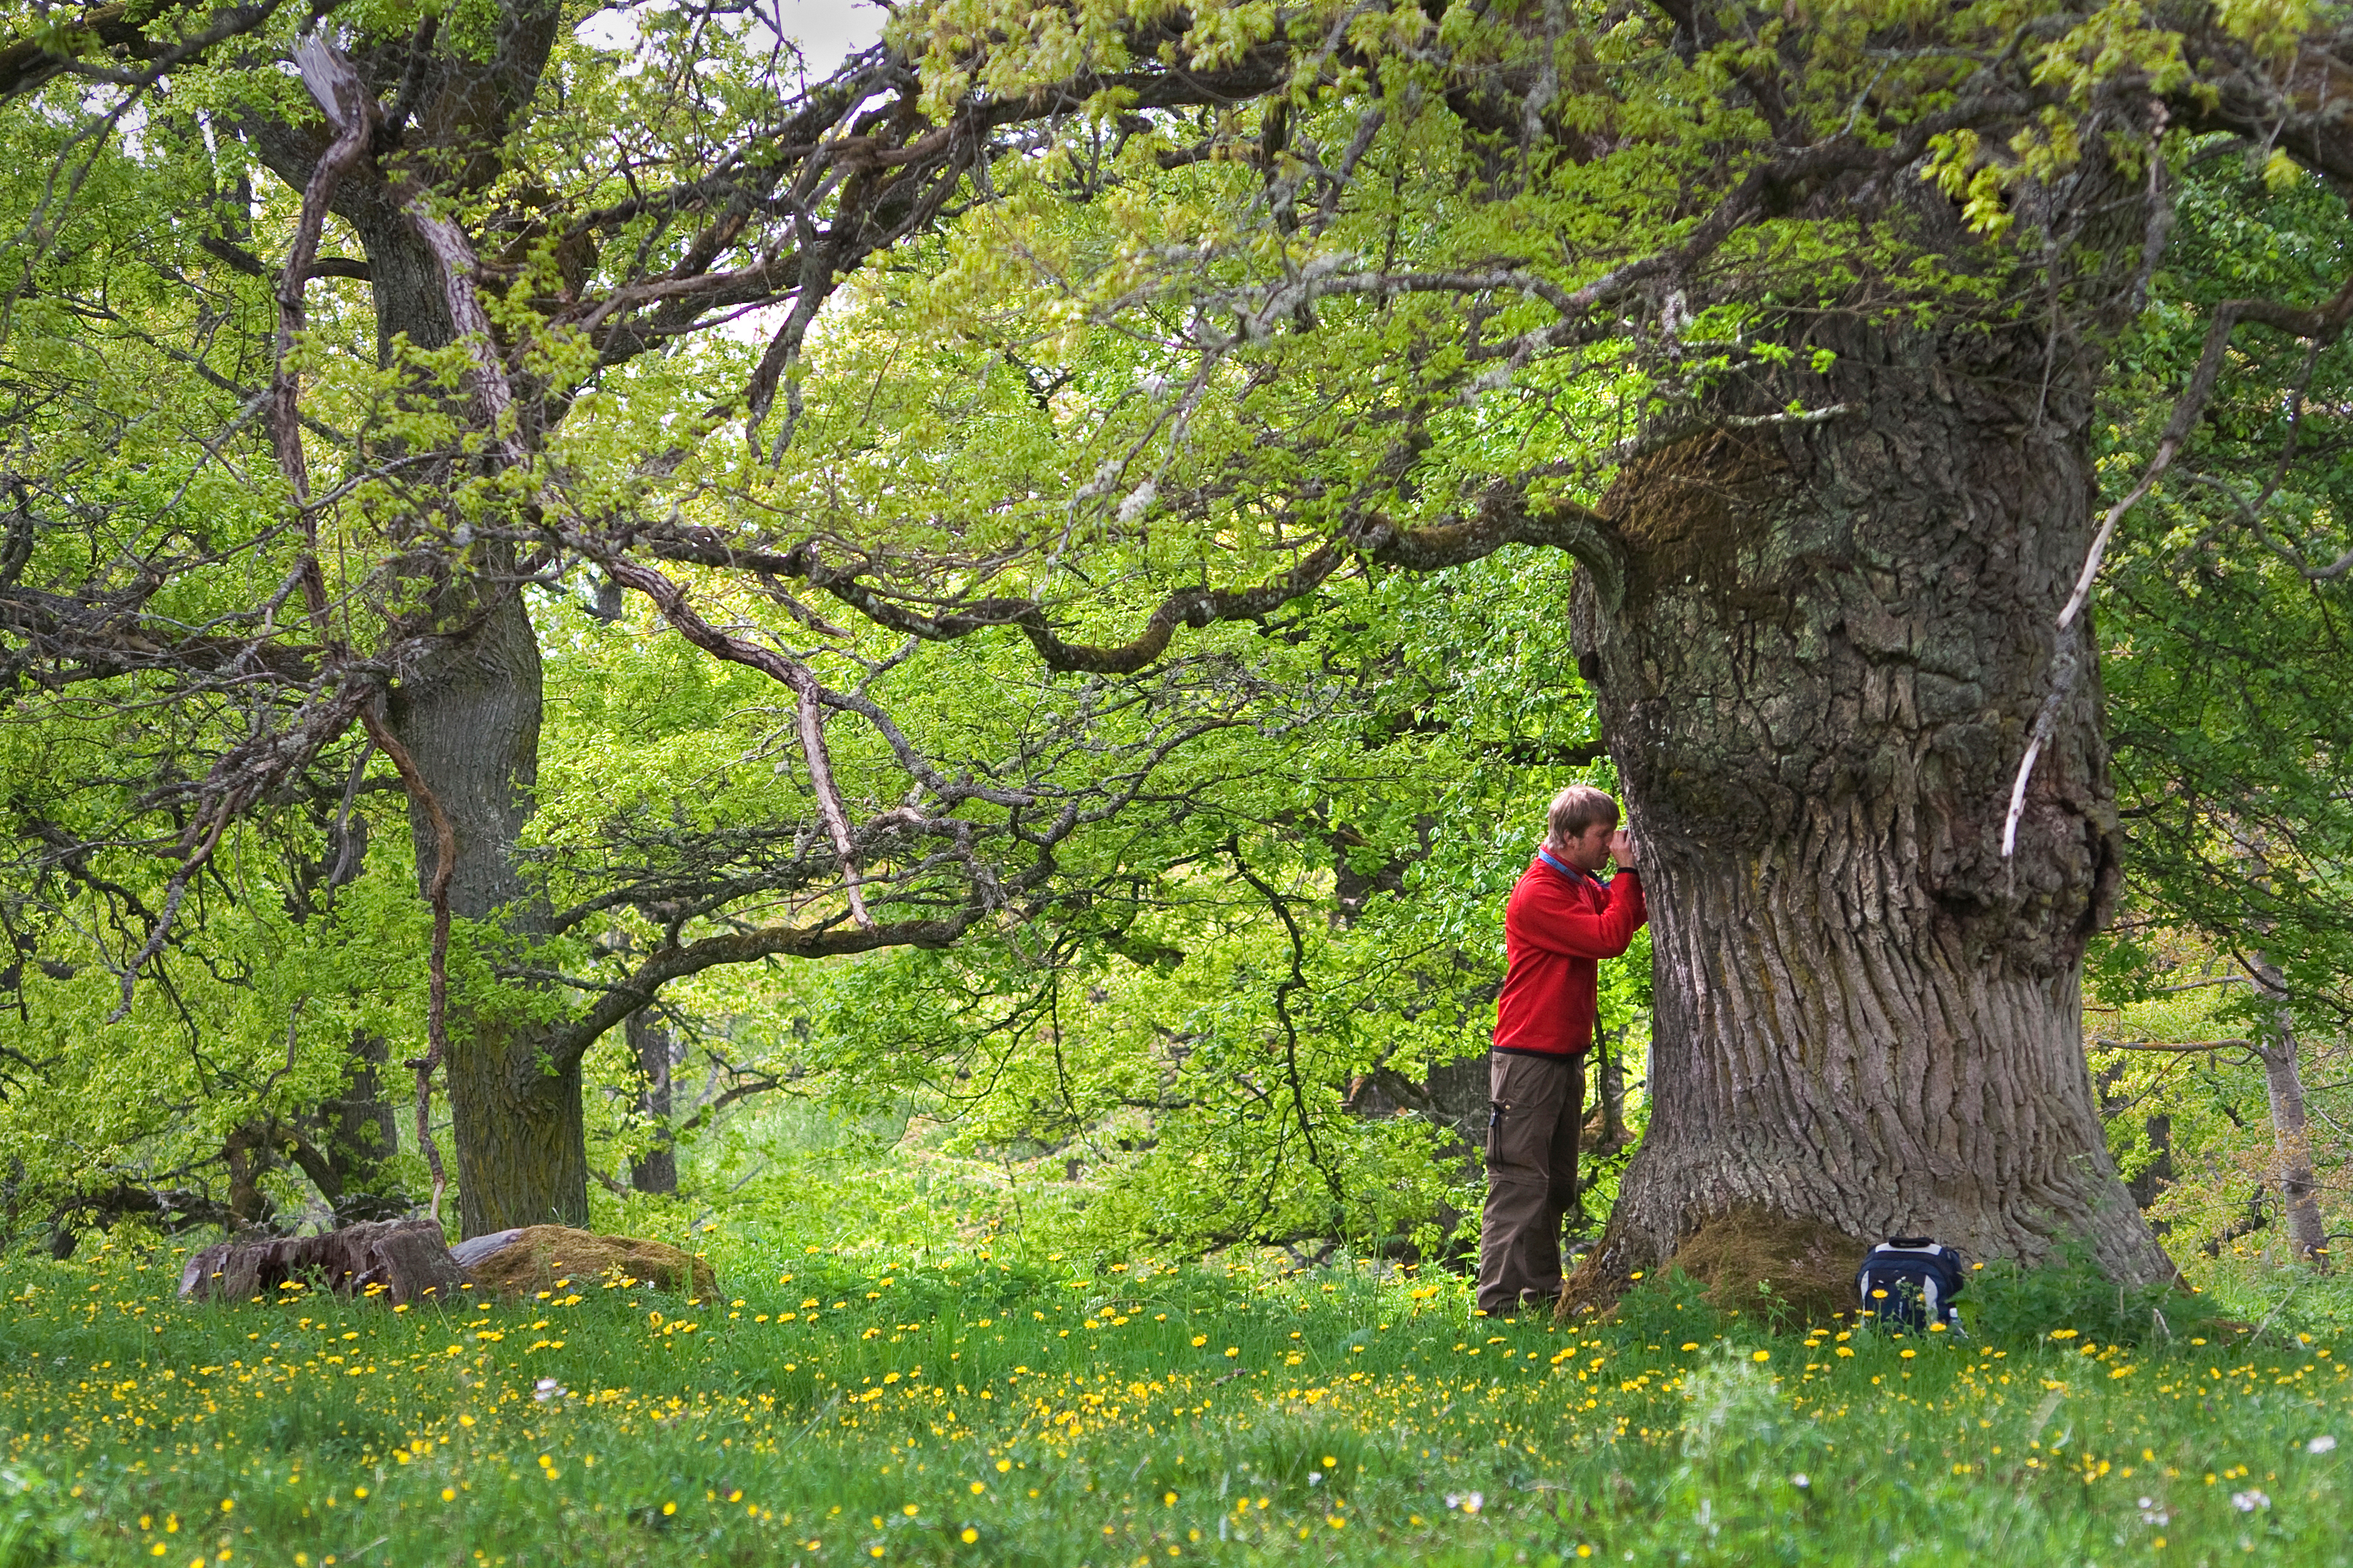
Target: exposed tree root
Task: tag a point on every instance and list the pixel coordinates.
(1747, 1260)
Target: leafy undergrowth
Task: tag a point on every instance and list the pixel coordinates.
(830, 1413)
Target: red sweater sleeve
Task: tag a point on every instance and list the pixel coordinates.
(1547, 915)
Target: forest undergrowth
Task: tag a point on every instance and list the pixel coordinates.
(831, 1408)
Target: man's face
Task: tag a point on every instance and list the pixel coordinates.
(1589, 850)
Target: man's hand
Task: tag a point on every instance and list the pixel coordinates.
(1622, 847)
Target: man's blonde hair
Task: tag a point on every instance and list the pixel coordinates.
(1577, 808)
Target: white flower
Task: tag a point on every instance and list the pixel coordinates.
(1313, 1477)
(547, 1388)
(1801, 1481)
(2248, 1501)
(1473, 1504)
(2320, 1444)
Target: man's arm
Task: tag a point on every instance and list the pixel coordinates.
(1544, 915)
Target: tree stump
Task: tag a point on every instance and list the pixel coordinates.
(401, 1260)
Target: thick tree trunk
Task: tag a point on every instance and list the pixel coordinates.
(471, 722)
(1833, 642)
(522, 1156)
(469, 716)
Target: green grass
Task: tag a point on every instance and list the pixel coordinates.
(988, 1411)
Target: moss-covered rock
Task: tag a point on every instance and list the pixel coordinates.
(520, 1262)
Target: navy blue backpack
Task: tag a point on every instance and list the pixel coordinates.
(1909, 1281)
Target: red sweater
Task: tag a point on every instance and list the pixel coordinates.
(1556, 928)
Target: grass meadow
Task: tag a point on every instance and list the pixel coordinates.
(830, 1409)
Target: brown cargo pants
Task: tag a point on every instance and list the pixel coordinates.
(1536, 1105)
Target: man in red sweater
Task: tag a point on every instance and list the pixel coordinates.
(1561, 921)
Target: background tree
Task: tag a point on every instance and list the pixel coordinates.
(412, 557)
(2226, 635)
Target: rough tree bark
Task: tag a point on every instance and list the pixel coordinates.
(471, 722)
(1833, 642)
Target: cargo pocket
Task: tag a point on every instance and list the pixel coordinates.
(1495, 1108)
